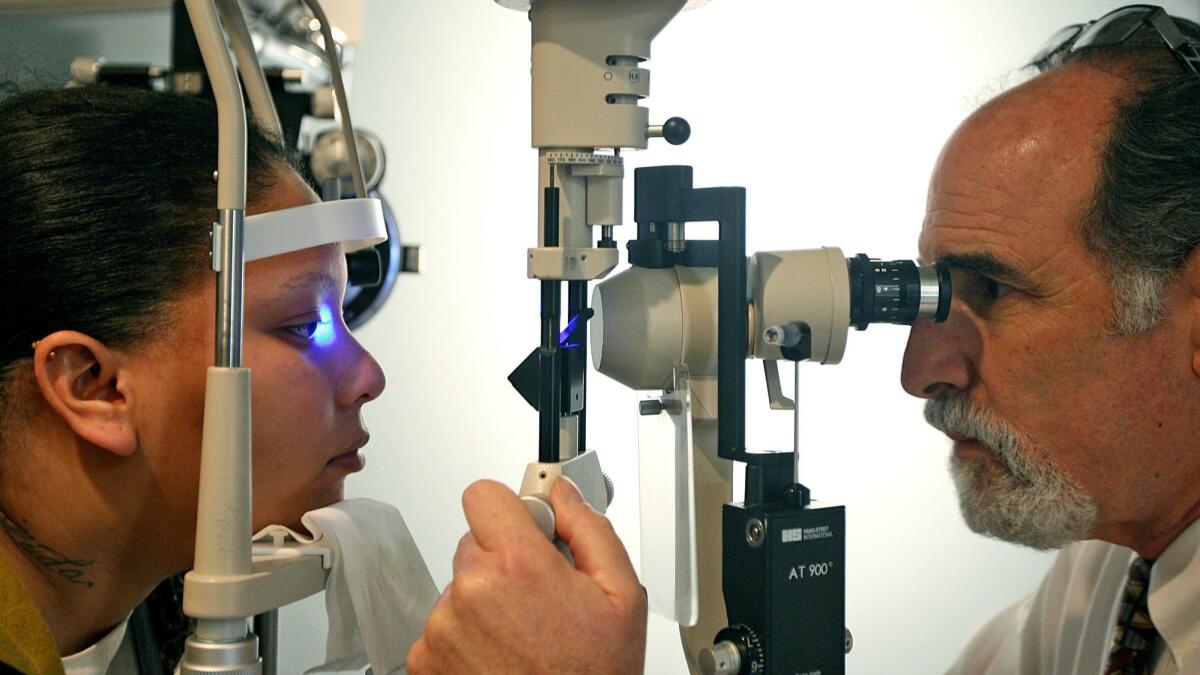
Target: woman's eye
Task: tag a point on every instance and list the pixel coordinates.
(305, 331)
(995, 289)
(319, 331)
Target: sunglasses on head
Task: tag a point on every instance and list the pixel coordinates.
(1115, 28)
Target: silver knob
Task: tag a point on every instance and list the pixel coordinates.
(787, 335)
(722, 658)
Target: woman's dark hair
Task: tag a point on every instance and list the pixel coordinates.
(106, 200)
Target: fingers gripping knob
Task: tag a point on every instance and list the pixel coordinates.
(541, 512)
(543, 516)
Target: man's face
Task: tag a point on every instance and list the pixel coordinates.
(1062, 429)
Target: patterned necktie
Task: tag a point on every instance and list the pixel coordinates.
(1134, 638)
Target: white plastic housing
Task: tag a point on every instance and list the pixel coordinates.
(810, 286)
(648, 320)
(582, 98)
(223, 528)
(357, 223)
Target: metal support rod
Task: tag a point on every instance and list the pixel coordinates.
(796, 422)
(230, 265)
(231, 111)
(549, 373)
(728, 207)
(577, 299)
(262, 105)
(339, 90)
(266, 626)
(223, 541)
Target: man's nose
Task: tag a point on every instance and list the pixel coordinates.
(937, 359)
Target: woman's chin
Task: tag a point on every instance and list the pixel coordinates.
(330, 492)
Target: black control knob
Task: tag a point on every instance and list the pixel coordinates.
(675, 130)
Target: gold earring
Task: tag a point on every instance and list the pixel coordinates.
(35, 344)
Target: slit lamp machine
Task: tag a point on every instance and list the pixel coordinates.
(757, 586)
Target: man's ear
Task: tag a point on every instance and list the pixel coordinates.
(86, 383)
(1191, 271)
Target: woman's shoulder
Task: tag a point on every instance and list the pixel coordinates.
(26, 645)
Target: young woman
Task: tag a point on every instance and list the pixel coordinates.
(107, 304)
(107, 307)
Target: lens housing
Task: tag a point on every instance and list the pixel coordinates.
(897, 291)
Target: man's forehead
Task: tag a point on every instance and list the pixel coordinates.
(1021, 172)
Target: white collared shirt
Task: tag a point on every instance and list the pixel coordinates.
(1066, 626)
(113, 654)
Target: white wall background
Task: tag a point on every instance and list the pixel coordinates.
(831, 114)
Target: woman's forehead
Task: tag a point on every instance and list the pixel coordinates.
(288, 190)
(317, 269)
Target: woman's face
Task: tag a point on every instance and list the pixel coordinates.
(310, 379)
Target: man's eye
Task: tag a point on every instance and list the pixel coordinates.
(995, 289)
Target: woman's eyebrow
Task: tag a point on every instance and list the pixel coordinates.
(322, 280)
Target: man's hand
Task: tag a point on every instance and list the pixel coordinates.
(517, 606)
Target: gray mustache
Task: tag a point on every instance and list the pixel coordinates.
(954, 414)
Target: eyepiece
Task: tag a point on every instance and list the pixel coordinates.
(897, 291)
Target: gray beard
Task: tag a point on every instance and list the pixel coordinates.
(1026, 502)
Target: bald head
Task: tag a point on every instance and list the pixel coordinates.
(1039, 143)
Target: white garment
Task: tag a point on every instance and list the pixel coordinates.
(1067, 625)
(379, 591)
(113, 653)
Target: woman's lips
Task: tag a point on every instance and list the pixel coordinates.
(352, 461)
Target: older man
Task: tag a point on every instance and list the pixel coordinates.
(1068, 372)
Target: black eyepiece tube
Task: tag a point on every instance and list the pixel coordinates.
(897, 291)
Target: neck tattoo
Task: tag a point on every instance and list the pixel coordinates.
(71, 569)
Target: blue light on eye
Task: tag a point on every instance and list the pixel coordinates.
(323, 336)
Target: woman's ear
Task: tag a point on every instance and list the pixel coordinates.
(87, 384)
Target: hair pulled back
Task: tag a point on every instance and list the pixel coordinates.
(106, 200)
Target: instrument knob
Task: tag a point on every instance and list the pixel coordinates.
(722, 658)
(736, 650)
(674, 131)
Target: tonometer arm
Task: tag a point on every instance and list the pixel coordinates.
(339, 89)
(223, 509)
(262, 105)
(227, 585)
